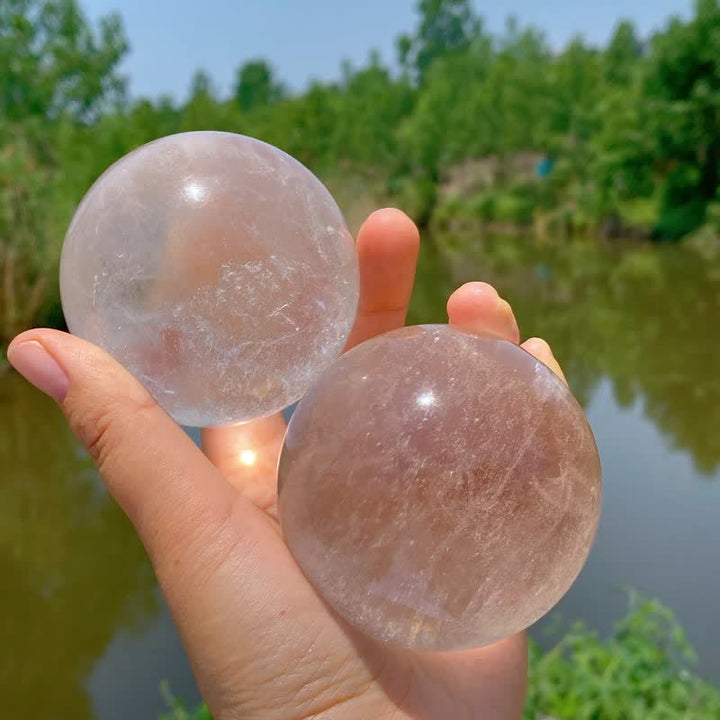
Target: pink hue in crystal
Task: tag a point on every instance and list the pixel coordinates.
(439, 489)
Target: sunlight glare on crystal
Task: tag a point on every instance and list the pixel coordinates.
(248, 457)
(195, 192)
(426, 399)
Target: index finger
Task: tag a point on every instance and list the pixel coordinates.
(387, 245)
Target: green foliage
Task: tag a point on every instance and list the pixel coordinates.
(177, 709)
(621, 54)
(640, 672)
(53, 62)
(256, 85)
(58, 76)
(632, 125)
(445, 27)
(639, 211)
(513, 207)
(682, 86)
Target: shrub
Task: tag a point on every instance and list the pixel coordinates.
(177, 709)
(639, 673)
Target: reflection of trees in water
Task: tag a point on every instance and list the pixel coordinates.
(644, 317)
(72, 570)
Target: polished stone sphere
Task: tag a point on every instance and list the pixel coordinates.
(440, 490)
(217, 269)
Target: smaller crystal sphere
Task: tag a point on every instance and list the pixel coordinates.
(440, 490)
(217, 269)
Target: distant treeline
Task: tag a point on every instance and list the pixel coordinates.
(464, 126)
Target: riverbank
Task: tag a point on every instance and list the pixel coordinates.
(532, 206)
(461, 204)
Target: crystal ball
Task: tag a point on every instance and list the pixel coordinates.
(217, 269)
(440, 490)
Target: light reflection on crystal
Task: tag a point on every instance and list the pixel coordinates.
(426, 399)
(195, 192)
(248, 457)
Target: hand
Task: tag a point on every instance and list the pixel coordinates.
(261, 642)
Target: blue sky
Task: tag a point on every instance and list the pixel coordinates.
(308, 38)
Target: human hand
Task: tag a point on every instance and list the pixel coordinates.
(261, 642)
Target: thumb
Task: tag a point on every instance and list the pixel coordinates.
(169, 490)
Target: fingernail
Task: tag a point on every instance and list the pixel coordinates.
(40, 368)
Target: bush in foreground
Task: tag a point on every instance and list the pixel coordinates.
(640, 672)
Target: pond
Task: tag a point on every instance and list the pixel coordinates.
(86, 634)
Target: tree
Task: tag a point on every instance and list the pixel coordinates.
(371, 105)
(513, 106)
(622, 53)
(445, 26)
(53, 61)
(203, 110)
(201, 87)
(491, 99)
(682, 87)
(256, 85)
(58, 75)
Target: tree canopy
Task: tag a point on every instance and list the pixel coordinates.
(628, 135)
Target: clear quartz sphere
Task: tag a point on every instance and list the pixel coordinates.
(217, 269)
(439, 489)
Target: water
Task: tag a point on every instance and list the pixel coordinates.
(86, 634)
(84, 631)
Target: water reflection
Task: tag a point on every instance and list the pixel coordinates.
(72, 571)
(659, 532)
(645, 318)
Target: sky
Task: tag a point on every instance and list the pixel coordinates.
(308, 39)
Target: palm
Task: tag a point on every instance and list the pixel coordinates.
(286, 655)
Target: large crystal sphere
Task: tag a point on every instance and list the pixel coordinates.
(440, 490)
(217, 269)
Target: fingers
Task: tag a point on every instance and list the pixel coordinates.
(541, 350)
(388, 244)
(161, 480)
(477, 307)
